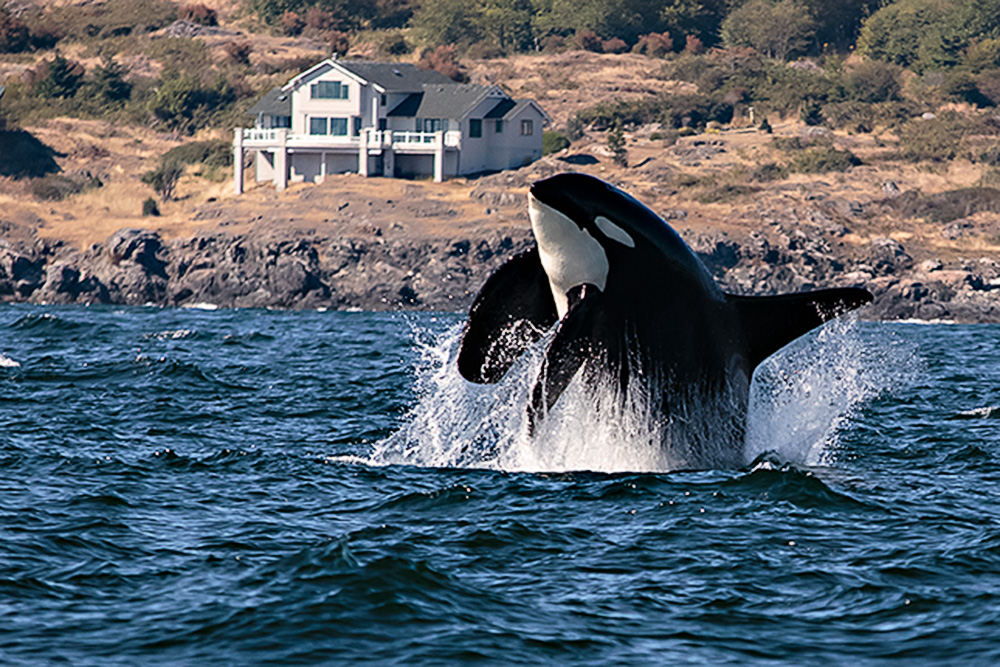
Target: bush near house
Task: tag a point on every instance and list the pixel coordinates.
(553, 142)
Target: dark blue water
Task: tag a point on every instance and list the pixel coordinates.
(231, 487)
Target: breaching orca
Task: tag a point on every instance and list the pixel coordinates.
(634, 305)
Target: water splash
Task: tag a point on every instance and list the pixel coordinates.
(802, 397)
(799, 400)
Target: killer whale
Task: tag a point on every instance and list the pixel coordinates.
(632, 304)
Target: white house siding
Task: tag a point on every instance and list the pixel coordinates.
(306, 107)
(522, 150)
(263, 166)
(476, 151)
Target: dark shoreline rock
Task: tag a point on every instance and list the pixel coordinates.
(268, 269)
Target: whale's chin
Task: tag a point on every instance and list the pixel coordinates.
(570, 256)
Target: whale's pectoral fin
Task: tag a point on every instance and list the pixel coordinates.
(581, 335)
(771, 322)
(513, 310)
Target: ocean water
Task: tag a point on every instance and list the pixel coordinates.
(192, 487)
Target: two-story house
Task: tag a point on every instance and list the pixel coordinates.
(385, 119)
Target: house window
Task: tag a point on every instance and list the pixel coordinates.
(527, 128)
(475, 127)
(383, 100)
(382, 124)
(432, 124)
(338, 127)
(498, 126)
(317, 126)
(282, 121)
(329, 90)
(357, 125)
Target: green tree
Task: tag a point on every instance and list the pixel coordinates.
(928, 34)
(616, 143)
(447, 22)
(507, 23)
(105, 86)
(184, 104)
(778, 29)
(59, 77)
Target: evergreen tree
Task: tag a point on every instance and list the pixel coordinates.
(616, 142)
(59, 78)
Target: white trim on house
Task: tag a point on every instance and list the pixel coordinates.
(399, 120)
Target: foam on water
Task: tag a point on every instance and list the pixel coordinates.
(799, 399)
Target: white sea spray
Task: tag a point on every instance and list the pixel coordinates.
(799, 399)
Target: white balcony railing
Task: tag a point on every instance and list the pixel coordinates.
(375, 139)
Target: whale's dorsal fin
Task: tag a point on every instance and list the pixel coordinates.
(512, 311)
(771, 322)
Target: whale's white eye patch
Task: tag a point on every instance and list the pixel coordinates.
(613, 231)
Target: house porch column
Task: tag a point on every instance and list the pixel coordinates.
(281, 161)
(363, 152)
(439, 157)
(238, 161)
(388, 155)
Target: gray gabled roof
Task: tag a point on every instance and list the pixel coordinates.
(448, 100)
(275, 102)
(394, 77)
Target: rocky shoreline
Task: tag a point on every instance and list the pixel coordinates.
(271, 268)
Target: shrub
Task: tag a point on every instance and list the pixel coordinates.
(935, 140)
(45, 35)
(811, 112)
(319, 20)
(339, 41)
(149, 208)
(164, 179)
(238, 53)
(182, 103)
(105, 86)
(553, 142)
(443, 59)
(198, 13)
(823, 159)
(768, 172)
(614, 45)
(654, 45)
(393, 43)
(589, 41)
(58, 77)
(693, 45)
(874, 81)
(553, 44)
(216, 153)
(575, 127)
(616, 143)
(14, 35)
(727, 192)
(54, 187)
(292, 24)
